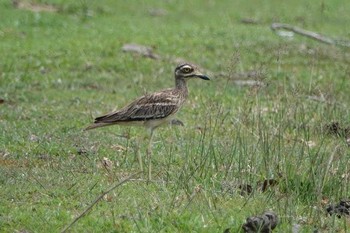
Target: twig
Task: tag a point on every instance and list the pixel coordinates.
(97, 200)
(310, 34)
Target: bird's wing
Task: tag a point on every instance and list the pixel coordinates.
(154, 106)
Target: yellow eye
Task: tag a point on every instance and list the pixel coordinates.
(186, 70)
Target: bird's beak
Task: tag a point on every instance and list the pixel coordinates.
(202, 76)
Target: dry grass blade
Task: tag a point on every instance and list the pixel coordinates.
(98, 199)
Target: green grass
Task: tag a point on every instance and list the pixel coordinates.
(59, 70)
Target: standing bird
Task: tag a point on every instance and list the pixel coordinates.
(153, 110)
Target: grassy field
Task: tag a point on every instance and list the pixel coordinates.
(59, 70)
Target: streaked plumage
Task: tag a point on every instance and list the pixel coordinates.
(155, 109)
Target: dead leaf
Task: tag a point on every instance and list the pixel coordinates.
(2, 101)
(141, 50)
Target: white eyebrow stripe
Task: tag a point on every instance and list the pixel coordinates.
(186, 66)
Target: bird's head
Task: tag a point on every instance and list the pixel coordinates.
(187, 71)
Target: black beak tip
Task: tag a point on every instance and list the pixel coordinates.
(204, 77)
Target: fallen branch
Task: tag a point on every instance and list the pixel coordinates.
(97, 200)
(310, 34)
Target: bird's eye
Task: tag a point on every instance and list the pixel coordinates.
(186, 70)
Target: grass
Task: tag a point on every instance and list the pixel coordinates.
(59, 70)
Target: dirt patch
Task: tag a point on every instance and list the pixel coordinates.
(34, 7)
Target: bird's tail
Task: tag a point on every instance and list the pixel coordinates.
(97, 125)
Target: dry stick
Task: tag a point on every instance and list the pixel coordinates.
(310, 34)
(97, 200)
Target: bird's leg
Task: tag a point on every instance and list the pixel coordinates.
(149, 155)
(139, 156)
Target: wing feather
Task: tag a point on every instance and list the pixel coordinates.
(155, 106)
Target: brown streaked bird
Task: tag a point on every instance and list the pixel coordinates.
(153, 110)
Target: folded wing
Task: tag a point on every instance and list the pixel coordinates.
(149, 107)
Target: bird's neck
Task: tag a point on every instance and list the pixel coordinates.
(181, 84)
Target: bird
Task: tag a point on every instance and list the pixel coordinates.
(155, 109)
